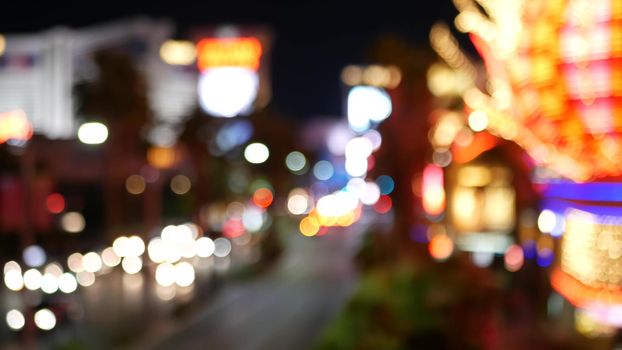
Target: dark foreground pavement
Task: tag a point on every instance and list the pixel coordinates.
(285, 308)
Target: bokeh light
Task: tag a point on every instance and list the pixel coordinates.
(386, 184)
(49, 283)
(15, 320)
(204, 247)
(547, 220)
(384, 204)
(156, 249)
(165, 274)
(441, 247)
(55, 203)
(110, 258)
(161, 157)
(323, 170)
(91, 262)
(53, 269)
(256, 153)
(433, 190)
(93, 133)
(295, 162)
(135, 246)
(482, 259)
(370, 193)
(514, 258)
(375, 138)
(356, 167)
(85, 278)
(263, 197)
(45, 319)
(135, 184)
(253, 218)
(478, 121)
(180, 184)
(72, 222)
(184, 274)
(32, 279)
(74, 262)
(13, 279)
(67, 283)
(359, 147)
(34, 256)
(2, 44)
(132, 264)
(309, 226)
(298, 201)
(15, 127)
(352, 75)
(178, 52)
(222, 247)
(367, 104)
(228, 91)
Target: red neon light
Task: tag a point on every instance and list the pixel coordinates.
(55, 203)
(433, 190)
(229, 52)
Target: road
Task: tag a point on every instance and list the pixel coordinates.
(285, 308)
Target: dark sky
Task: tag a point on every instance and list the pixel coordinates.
(313, 39)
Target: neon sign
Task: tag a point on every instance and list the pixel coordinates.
(229, 52)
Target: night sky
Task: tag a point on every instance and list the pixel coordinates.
(313, 39)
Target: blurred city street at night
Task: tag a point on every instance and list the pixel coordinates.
(352, 175)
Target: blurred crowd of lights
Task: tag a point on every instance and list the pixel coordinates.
(324, 207)
(173, 255)
(44, 319)
(340, 208)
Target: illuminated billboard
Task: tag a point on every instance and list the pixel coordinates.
(230, 73)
